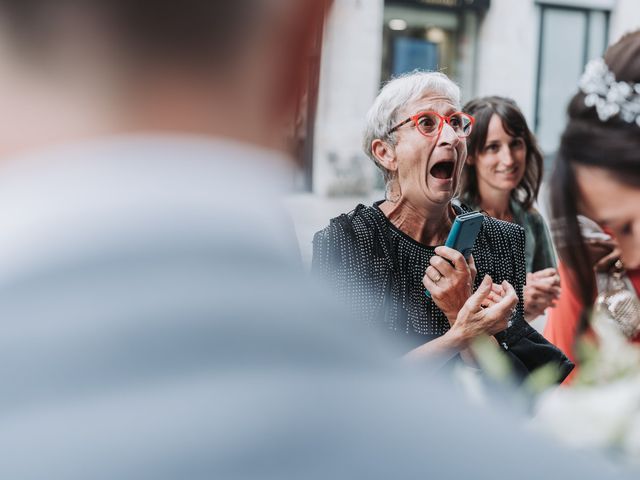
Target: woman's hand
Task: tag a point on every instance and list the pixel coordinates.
(541, 291)
(475, 319)
(449, 279)
(494, 296)
(603, 254)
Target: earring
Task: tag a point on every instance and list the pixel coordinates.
(392, 191)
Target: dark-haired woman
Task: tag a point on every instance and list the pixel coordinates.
(597, 170)
(502, 177)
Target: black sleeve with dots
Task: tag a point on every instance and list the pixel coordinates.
(525, 347)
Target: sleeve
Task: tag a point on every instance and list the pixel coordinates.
(320, 264)
(544, 255)
(525, 347)
(334, 254)
(520, 267)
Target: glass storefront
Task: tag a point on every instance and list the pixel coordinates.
(436, 35)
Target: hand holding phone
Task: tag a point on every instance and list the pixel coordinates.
(463, 233)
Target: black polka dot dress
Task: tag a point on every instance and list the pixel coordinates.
(377, 270)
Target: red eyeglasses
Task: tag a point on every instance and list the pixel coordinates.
(430, 123)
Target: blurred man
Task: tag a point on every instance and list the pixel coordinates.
(155, 324)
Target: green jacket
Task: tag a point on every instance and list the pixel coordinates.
(539, 250)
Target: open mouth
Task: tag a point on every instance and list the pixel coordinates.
(442, 170)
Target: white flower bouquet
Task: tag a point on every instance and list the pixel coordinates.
(601, 409)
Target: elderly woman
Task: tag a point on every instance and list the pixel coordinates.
(381, 258)
(502, 177)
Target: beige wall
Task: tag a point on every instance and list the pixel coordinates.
(349, 79)
(507, 52)
(625, 18)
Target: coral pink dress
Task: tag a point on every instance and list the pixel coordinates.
(562, 321)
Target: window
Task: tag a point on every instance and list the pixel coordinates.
(569, 38)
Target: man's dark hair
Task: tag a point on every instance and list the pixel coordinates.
(183, 30)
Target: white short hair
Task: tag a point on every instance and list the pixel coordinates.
(396, 93)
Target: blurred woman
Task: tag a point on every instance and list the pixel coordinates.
(563, 320)
(381, 258)
(502, 177)
(597, 171)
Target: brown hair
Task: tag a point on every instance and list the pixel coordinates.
(514, 123)
(185, 31)
(612, 145)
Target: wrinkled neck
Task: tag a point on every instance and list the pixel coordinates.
(429, 226)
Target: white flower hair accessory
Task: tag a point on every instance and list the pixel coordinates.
(610, 98)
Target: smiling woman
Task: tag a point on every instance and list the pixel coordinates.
(380, 258)
(502, 177)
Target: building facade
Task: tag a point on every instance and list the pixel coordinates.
(530, 50)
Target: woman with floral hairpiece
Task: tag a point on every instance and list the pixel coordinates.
(380, 258)
(597, 171)
(597, 175)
